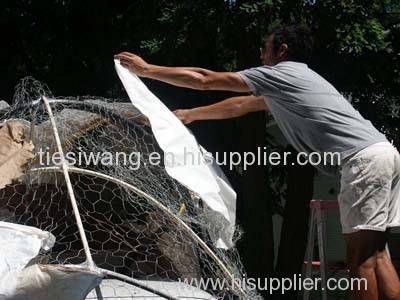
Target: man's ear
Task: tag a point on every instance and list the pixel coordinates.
(283, 51)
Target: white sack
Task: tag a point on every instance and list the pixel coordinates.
(18, 245)
(50, 282)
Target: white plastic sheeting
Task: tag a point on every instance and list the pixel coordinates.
(18, 245)
(198, 176)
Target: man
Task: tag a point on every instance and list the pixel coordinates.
(314, 117)
(289, 260)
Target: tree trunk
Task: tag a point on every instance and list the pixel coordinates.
(254, 206)
(293, 240)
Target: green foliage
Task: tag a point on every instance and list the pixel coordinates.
(152, 46)
(356, 38)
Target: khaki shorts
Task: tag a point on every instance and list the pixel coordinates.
(369, 196)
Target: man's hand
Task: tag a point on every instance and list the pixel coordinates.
(133, 63)
(185, 115)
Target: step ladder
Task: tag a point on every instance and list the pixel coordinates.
(317, 226)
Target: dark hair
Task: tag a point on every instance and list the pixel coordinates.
(298, 38)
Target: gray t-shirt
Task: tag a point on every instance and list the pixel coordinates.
(312, 114)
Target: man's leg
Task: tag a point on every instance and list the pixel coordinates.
(388, 280)
(367, 258)
(369, 199)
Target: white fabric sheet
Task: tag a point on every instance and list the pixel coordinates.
(174, 139)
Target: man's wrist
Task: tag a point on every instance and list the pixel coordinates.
(148, 71)
(195, 114)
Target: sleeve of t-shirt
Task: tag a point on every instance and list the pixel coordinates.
(261, 81)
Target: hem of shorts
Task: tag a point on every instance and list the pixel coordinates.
(368, 227)
(393, 225)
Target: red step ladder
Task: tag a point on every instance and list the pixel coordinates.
(317, 225)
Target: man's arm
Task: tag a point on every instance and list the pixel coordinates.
(194, 78)
(229, 108)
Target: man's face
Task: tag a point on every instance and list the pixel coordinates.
(267, 56)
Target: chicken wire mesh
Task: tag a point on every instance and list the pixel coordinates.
(140, 223)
